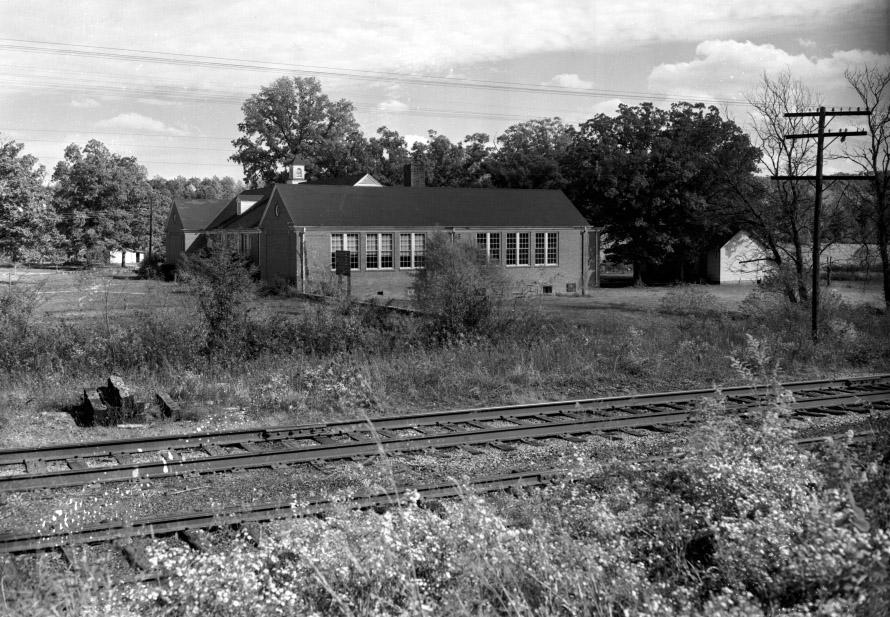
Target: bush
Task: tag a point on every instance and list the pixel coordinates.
(222, 281)
(460, 294)
(691, 300)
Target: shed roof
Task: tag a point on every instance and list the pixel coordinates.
(348, 206)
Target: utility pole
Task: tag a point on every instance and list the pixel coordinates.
(820, 136)
(151, 229)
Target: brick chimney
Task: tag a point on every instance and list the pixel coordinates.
(415, 175)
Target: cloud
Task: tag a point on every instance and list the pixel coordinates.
(396, 35)
(392, 105)
(730, 69)
(569, 80)
(85, 103)
(806, 43)
(137, 122)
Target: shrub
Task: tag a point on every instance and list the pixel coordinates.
(460, 294)
(223, 284)
(691, 300)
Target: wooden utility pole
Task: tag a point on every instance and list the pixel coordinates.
(151, 229)
(820, 136)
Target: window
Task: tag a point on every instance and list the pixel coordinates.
(411, 250)
(345, 242)
(490, 245)
(517, 253)
(378, 251)
(546, 249)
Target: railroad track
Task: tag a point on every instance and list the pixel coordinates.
(499, 427)
(243, 516)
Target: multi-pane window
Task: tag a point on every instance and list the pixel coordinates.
(546, 249)
(378, 251)
(345, 242)
(517, 249)
(411, 250)
(490, 245)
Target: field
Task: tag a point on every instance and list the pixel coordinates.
(295, 361)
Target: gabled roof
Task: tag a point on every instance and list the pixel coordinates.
(315, 205)
(350, 180)
(199, 213)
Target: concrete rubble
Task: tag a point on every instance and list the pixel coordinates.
(115, 403)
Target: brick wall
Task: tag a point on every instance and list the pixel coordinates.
(565, 277)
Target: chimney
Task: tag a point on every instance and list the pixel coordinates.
(297, 173)
(415, 175)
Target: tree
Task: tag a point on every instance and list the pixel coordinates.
(780, 213)
(655, 178)
(292, 117)
(102, 200)
(26, 218)
(453, 164)
(530, 154)
(872, 86)
(387, 155)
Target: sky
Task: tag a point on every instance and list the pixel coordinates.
(165, 80)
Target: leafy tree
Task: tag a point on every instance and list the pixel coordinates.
(102, 200)
(26, 218)
(653, 179)
(872, 87)
(529, 155)
(387, 155)
(453, 164)
(293, 117)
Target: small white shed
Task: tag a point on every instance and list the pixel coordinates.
(125, 257)
(741, 259)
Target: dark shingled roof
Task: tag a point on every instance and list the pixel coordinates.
(347, 206)
(200, 213)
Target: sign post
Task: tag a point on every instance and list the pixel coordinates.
(342, 268)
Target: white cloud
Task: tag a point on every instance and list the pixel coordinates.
(410, 139)
(438, 36)
(730, 69)
(569, 80)
(806, 43)
(137, 122)
(85, 103)
(392, 105)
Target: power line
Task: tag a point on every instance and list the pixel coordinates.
(221, 62)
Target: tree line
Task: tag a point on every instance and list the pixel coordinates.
(94, 202)
(663, 184)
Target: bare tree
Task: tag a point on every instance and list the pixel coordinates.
(779, 213)
(872, 86)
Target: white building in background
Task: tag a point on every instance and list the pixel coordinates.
(125, 257)
(741, 259)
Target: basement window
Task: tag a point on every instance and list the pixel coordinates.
(548, 289)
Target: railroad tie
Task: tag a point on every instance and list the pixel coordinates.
(212, 449)
(572, 438)
(194, 539)
(123, 458)
(249, 447)
(500, 445)
(35, 465)
(76, 463)
(135, 555)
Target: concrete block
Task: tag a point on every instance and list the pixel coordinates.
(92, 409)
(169, 407)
